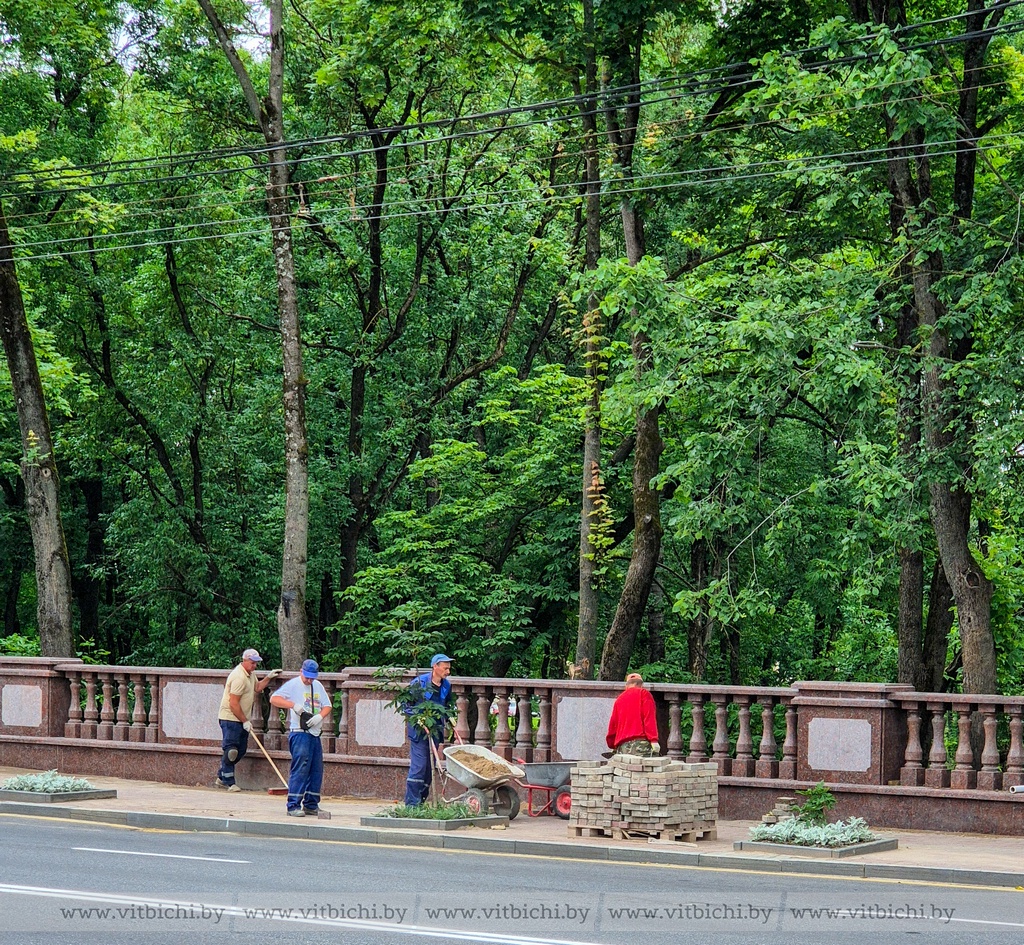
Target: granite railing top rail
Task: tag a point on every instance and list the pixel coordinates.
(956, 699)
(368, 677)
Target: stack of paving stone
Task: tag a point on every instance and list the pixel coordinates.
(786, 808)
(635, 797)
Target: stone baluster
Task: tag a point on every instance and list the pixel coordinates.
(137, 733)
(275, 740)
(543, 750)
(342, 740)
(787, 767)
(73, 726)
(698, 741)
(743, 763)
(720, 745)
(121, 726)
(502, 741)
(912, 772)
(482, 732)
(256, 716)
(674, 745)
(105, 731)
(1014, 773)
(990, 778)
(937, 775)
(153, 727)
(767, 764)
(327, 729)
(462, 715)
(524, 727)
(963, 777)
(91, 713)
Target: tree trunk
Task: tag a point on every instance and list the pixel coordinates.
(647, 530)
(942, 411)
(936, 632)
(656, 624)
(17, 553)
(586, 635)
(291, 611)
(38, 466)
(910, 658)
(87, 586)
(643, 561)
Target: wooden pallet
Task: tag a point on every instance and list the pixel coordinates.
(629, 833)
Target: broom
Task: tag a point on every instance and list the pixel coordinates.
(274, 790)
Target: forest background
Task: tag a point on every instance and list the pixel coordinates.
(672, 336)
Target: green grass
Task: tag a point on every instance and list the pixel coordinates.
(440, 811)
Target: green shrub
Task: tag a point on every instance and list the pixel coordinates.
(820, 801)
(48, 783)
(803, 834)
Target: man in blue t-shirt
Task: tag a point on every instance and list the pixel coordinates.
(308, 705)
(431, 687)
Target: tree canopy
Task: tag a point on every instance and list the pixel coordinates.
(739, 281)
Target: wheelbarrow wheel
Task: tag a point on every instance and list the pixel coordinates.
(506, 802)
(477, 801)
(563, 801)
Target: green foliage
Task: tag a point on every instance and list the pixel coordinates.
(814, 810)
(441, 810)
(48, 782)
(445, 314)
(19, 645)
(804, 834)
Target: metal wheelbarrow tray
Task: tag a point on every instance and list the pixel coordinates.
(552, 774)
(484, 795)
(467, 777)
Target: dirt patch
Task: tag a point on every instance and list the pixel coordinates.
(487, 769)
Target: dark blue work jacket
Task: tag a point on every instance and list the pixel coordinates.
(428, 692)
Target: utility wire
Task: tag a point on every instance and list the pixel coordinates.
(681, 83)
(715, 174)
(348, 181)
(489, 206)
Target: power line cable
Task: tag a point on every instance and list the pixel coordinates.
(423, 180)
(488, 206)
(673, 83)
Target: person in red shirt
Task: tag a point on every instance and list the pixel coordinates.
(633, 727)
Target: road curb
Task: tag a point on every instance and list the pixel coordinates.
(654, 854)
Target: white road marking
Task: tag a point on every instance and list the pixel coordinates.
(245, 912)
(170, 856)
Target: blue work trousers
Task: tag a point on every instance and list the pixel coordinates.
(417, 785)
(306, 775)
(234, 740)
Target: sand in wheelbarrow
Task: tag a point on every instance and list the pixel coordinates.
(487, 769)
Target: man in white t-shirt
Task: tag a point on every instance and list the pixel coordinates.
(308, 706)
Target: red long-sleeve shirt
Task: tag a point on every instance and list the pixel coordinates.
(633, 716)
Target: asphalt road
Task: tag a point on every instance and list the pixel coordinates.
(77, 884)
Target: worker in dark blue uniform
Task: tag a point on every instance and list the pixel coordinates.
(433, 687)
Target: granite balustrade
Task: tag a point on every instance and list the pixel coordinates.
(881, 747)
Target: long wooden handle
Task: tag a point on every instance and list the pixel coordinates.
(280, 777)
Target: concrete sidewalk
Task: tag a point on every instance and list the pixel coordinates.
(972, 859)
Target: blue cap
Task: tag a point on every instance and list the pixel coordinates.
(439, 658)
(310, 669)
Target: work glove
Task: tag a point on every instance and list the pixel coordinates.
(655, 748)
(315, 725)
(272, 674)
(247, 726)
